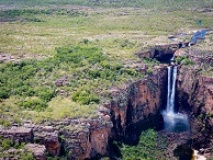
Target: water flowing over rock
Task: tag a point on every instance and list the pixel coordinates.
(173, 121)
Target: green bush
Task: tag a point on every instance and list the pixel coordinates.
(6, 144)
(77, 54)
(33, 104)
(90, 72)
(85, 41)
(187, 62)
(147, 148)
(130, 72)
(94, 74)
(184, 60)
(27, 156)
(4, 94)
(105, 64)
(45, 93)
(5, 122)
(84, 97)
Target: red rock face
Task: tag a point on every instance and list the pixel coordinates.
(197, 91)
(92, 144)
(47, 136)
(142, 99)
(99, 140)
(81, 139)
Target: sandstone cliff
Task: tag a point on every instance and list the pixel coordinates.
(138, 107)
(195, 94)
(76, 138)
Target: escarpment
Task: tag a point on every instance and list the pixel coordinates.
(138, 107)
(75, 138)
(129, 111)
(195, 93)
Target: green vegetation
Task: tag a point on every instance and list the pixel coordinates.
(184, 60)
(18, 155)
(7, 143)
(208, 72)
(150, 63)
(148, 147)
(160, 4)
(38, 31)
(87, 50)
(86, 71)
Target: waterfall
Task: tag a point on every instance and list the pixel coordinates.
(172, 99)
(168, 89)
(173, 121)
(171, 91)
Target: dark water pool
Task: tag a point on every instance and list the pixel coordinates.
(183, 152)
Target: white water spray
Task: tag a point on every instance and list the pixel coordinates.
(173, 121)
(168, 90)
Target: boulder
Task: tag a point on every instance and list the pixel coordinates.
(17, 134)
(37, 150)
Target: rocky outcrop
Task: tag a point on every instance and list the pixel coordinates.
(86, 138)
(37, 150)
(75, 138)
(17, 134)
(139, 104)
(49, 137)
(198, 57)
(195, 91)
(130, 110)
(162, 53)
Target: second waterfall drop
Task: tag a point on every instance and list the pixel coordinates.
(173, 121)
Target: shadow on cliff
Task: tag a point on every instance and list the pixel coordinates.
(133, 133)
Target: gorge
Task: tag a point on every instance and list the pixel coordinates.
(151, 102)
(106, 80)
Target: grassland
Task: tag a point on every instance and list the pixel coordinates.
(156, 4)
(51, 29)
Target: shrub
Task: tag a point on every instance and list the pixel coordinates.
(85, 41)
(33, 104)
(46, 95)
(131, 72)
(147, 148)
(6, 144)
(77, 54)
(5, 122)
(4, 94)
(84, 97)
(27, 156)
(105, 64)
(94, 74)
(184, 60)
(149, 71)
